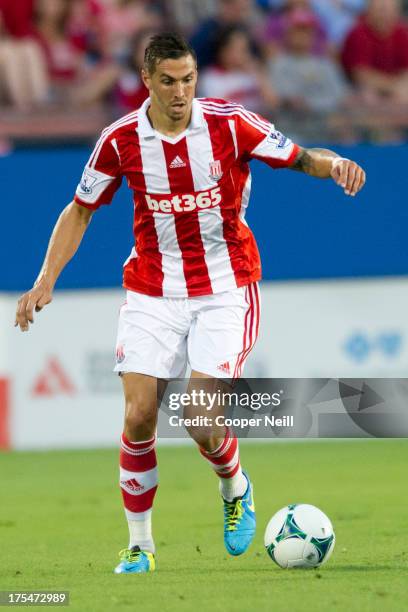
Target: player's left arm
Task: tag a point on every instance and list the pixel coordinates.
(324, 163)
(257, 138)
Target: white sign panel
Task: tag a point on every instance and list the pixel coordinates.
(64, 393)
(333, 329)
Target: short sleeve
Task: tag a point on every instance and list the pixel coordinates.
(101, 177)
(257, 138)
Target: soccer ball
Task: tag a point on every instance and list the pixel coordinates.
(299, 535)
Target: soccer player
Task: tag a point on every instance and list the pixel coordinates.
(191, 277)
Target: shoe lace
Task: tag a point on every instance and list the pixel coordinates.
(233, 513)
(129, 555)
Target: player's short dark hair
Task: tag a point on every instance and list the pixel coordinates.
(168, 45)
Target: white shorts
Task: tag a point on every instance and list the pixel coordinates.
(214, 334)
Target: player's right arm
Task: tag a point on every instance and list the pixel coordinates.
(100, 180)
(64, 242)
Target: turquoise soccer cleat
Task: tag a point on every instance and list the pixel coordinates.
(135, 561)
(239, 522)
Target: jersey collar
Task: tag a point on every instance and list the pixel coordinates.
(146, 130)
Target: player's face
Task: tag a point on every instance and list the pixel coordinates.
(172, 86)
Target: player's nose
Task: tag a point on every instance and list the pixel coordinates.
(179, 89)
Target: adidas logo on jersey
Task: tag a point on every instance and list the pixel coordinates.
(177, 163)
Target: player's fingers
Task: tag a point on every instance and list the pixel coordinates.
(21, 306)
(362, 179)
(351, 175)
(30, 301)
(343, 166)
(16, 320)
(30, 310)
(43, 301)
(21, 318)
(359, 181)
(336, 173)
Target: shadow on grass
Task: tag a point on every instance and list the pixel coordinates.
(279, 573)
(364, 568)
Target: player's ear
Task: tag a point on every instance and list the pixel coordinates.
(145, 78)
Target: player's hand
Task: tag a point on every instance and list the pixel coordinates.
(349, 175)
(35, 299)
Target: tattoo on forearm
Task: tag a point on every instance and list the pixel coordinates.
(310, 161)
(303, 161)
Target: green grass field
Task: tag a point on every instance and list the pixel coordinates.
(62, 525)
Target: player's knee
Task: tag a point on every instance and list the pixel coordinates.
(140, 418)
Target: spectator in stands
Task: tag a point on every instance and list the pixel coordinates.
(310, 87)
(276, 26)
(338, 17)
(375, 53)
(122, 20)
(23, 73)
(73, 80)
(184, 15)
(17, 17)
(237, 74)
(129, 90)
(84, 27)
(122, 86)
(230, 13)
(64, 55)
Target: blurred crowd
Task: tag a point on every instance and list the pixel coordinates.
(334, 70)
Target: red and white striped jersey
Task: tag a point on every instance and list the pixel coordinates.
(190, 195)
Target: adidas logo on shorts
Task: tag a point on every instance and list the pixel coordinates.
(224, 367)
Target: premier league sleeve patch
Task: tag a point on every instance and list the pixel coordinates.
(274, 147)
(88, 180)
(277, 139)
(92, 185)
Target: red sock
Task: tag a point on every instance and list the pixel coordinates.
(225, 458)
(226, 464)
(138, 474)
